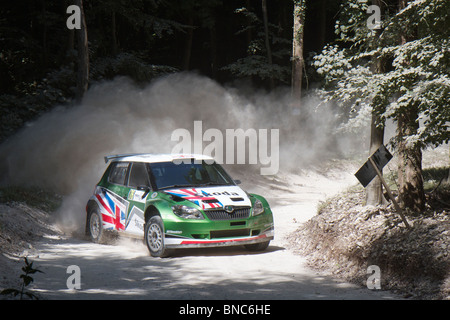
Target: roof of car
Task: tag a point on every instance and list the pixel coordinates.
(150, 158)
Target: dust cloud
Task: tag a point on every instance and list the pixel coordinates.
(63, 150)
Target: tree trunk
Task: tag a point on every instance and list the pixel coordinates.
(410, 179)
(188, 46)
(114, 47)
(412, 195)
(213, 37)
(83, 55)
(44, 36)
(248, 33)
(322, 30)
(448, 177)
(267, 42)
(374, 191)
(297, 51)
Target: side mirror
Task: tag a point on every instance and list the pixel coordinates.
(237, 181)
(144, 188)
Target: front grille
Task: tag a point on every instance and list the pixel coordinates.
(221, 214)
(230, 233)
(211, 201)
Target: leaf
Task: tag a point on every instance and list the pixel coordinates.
(26, 279)
(12, 291)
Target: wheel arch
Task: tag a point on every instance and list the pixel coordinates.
(150, 212)
(89, 206)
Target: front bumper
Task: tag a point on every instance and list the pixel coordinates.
(173, 242)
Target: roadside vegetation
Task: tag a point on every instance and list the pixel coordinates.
(346, 237)
(26, 279)
(32, 196)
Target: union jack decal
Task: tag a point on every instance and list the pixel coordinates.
(113, 210)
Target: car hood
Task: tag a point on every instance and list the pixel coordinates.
(213, 197)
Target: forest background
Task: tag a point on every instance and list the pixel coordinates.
(398, 70)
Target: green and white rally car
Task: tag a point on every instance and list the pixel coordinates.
(177, 201)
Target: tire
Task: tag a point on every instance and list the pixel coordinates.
(257, 246)
(95, 226)
(154, 237)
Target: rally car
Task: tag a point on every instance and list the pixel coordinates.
(176, 201)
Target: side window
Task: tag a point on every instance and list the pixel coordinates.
(118, 173)
(138, 175)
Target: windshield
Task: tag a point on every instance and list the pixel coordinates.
(170, 175)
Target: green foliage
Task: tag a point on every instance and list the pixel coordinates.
(256, 64)
(351, 23)
(433, 177)
(416, 72)
(26, 280)
(32, 99)
(127, 64)
(143, 39)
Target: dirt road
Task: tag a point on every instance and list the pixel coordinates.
(126, 271)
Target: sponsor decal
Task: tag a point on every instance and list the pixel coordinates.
(174, 231)
(136, 195)
(200, 198)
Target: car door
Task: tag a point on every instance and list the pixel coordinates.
(139, 189)
(116, 195)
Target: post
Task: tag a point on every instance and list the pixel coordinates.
(388, 190)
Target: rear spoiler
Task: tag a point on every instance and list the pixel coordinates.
(115, 156)
(175, 158)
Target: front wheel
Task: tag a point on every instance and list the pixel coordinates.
(154, 237)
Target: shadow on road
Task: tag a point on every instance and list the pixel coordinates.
(221, 252)
(126, 271)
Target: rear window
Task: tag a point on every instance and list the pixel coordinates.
(138, 175)
(118, 173)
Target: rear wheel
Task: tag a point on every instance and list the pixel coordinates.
(95, 225)
(154, 237)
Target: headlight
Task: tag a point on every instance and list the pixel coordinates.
(187, 212)
(258, 208)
